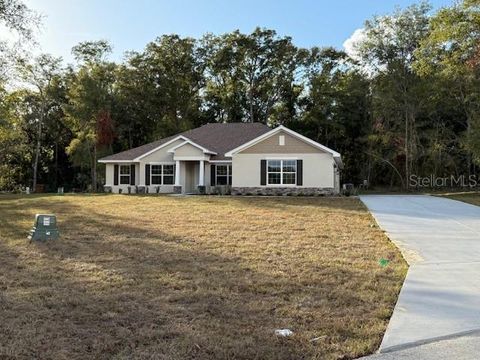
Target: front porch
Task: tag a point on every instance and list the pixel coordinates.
(181, 177)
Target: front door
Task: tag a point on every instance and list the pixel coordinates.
(190, 177)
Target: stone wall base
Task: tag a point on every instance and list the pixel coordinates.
(283, 191)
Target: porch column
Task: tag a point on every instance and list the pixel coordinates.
(201, 180)
(177, 173)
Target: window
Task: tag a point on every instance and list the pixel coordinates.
(124, 174)
(281, 172)
(281, 140)
(224, 175)
(156, 175)
(168, 174)
(162, 174)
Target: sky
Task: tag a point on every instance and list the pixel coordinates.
(130, 25)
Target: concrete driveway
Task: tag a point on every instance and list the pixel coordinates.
(440, 299)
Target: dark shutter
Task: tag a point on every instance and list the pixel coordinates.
(263, 172)
(212, 175)
(132, 174)
(230, 175)
(147, 174)
(300, 172)
(115, 174)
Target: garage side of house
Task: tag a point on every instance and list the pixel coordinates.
(283, 163)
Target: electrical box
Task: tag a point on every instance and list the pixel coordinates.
(45, 228)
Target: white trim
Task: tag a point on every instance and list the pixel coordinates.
(191, 158)
(180, 137)
(188, 141)
(125, 175)
(282, 185)
(220, 161)
(116, 161)
(161, 163)
(281, 172)
(162, 173)
(177, 173)
(280, 157)
(288, 131)
(201, 175)
(228, 175)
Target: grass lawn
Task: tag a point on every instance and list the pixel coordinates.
(194, 278)
(469, 197)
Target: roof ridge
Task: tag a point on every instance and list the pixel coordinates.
(213, 136)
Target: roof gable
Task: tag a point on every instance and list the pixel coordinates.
(278, 130)
(217, 139)
(290, 145)
(191, 145)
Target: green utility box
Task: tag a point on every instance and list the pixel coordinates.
(45, 228)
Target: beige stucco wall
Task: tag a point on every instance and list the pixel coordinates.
(161, 155)
(318, 169)
(292, 146)
(188, 150)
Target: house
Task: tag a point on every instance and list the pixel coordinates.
(249, 158)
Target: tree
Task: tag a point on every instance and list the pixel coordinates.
(159, 90)
(336, 110)
(90, 101)
(388, 52)
(451, 53)
(13, 144)
(18, 18)
(252, 77)
(39, 75)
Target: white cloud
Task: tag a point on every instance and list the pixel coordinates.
(351, 44)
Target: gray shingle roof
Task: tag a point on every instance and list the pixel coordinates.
(219, 138)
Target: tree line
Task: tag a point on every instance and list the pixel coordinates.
(403, 101)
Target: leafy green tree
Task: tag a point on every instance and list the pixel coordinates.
(252, 77)
(388, 53)
(91, 93)
(159, 90)
(22, 21)
(451, 53)
(14, 147)
(40, 75)
(336, 110)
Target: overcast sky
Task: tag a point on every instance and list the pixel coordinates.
(129, 25)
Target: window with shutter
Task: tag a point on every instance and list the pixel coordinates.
(125, 174)
(281, 172)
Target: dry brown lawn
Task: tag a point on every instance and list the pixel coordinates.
(159, 277)
(469, 197)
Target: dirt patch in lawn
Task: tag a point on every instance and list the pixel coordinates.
(195, 278)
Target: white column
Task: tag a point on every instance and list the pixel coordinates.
(201, 180)
(177, 173)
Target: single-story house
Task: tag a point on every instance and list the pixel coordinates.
(248, 158)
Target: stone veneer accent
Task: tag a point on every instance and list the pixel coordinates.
(283, 191)
(177, 189)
